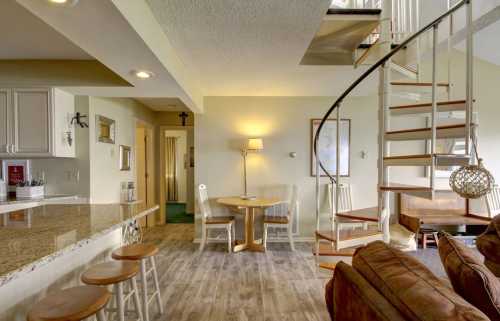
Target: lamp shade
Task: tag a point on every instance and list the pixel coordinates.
(255, 144)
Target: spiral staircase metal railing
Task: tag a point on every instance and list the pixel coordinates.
(433, 132)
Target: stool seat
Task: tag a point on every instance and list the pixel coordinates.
(110, 272)
(72, 304)
(135, 252)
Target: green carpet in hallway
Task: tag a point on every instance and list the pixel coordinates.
(176, 213)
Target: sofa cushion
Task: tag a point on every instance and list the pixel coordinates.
(410, 286)
(350, 297)
(488, 244)
(469, 276)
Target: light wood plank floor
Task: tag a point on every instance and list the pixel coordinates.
(218, 286)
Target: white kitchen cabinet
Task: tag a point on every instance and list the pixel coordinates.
(5, 120)
(37, 123)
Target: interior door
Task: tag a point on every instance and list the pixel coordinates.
(32, 122)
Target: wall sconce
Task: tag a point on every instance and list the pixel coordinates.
(293, 154)
(252, 145)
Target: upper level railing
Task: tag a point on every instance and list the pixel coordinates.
(431, 26)
(404, 21)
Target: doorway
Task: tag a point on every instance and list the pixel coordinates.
(144, 169)
(177, 166)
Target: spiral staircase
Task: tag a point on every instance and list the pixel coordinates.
(393, 53)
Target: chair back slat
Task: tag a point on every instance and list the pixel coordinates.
(289, 208)
(493, 201)
(294, 203)
(203, 202)
(345, 198)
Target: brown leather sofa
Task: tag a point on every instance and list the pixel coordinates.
(385, 284)
(488, 244)
(469, 276)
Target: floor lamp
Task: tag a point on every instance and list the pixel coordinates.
(252, 145)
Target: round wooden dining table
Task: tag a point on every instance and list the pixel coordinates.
(249, 205)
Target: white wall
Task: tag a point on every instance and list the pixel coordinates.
(284, 123)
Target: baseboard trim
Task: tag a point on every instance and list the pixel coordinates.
(306, 239)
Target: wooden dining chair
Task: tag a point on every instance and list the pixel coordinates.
(283, 221)
(211, 222)
(493, 201)
(345, 205)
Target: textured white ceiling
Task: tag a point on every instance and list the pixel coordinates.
(247, 48)
(25, 36)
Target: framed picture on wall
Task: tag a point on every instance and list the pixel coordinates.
(327, 146)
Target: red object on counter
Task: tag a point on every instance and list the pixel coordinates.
(15, 174)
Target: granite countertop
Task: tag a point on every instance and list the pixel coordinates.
(35, 236)
(9, 200)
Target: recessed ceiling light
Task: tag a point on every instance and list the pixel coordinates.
(143, 74)
(66, 3)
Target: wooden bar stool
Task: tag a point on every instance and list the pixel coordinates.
(115, 274)
(143, 253)
(72, 304)
(428, 236)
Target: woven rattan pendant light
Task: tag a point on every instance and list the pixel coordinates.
(472, 181)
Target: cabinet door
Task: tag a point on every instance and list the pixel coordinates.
(32, 122)
(5, 121)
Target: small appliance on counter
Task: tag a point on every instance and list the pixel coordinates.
(30, 189)
(128, 192)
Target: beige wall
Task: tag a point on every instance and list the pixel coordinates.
(97, 163)
(284, 123)
(105, 174)
(171, 118)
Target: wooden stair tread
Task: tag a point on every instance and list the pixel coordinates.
(448, 131)
(369, 45)
(404, 187)
(418, 84)
(420, 156)
(328, 266)
(326, 249)
(427, 160)
(347, 234)
(429, 156)
(426, 129)
(333, 11)
(364, 214)
(439, 103)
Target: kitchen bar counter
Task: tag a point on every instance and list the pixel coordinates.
(36, 236)
(9, 200)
